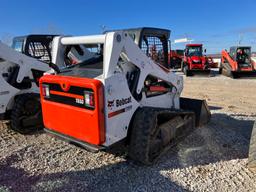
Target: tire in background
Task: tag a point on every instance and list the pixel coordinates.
(26, 106)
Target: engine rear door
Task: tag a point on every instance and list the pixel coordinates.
(74, 107)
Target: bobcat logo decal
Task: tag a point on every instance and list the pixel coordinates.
(111, 104)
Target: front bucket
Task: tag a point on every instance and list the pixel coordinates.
(199, 107)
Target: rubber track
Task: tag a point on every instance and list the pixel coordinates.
(143, 124)
(16, 113)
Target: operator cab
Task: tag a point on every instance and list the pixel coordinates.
(194, 50)
(36, 46)
(83, 60)
(152, 41)
(241, 54)
(179, 52)
(90, 66)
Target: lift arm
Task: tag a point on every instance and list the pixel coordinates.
(25, 62)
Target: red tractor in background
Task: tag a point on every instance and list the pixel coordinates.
(175, 58)
(237, 62)
(194, 60)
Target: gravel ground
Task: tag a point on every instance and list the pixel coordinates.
(212, 158)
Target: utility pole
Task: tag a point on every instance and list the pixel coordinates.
(240, 38)
(103, 28)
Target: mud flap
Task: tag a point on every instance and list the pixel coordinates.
(199, 107)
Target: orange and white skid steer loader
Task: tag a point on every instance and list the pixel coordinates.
(237, 62)
(119, 93)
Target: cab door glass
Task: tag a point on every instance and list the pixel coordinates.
(17, 46)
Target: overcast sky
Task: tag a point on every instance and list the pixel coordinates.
(215, 23)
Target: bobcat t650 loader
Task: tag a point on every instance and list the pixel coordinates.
(120, 94)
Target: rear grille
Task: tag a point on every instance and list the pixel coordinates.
(196, 62)
(74, 96)
(244, 65)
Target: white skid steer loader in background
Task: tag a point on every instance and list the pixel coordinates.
(20, 69)
(121, 93)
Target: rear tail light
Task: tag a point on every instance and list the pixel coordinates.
(89, 99)
(45, 91)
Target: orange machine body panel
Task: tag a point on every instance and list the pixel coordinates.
(64, 110)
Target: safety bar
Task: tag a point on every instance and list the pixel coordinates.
(91, 39)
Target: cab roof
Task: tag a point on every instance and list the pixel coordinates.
(237, 47)
(35, 36)
(146, 30)
(194, 45)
